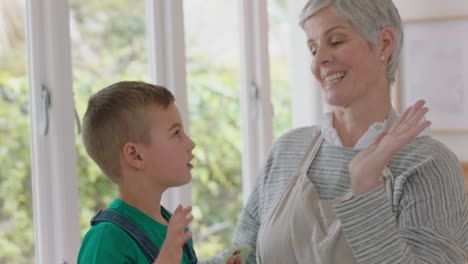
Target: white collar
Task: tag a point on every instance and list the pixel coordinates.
(330, 134)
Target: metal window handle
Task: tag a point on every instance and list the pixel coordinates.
(254, 96)
(46, 103)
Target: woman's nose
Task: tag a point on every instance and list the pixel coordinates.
(323, 56)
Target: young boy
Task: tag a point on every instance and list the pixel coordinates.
(134, 132)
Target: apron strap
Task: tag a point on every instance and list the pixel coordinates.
(311, 153)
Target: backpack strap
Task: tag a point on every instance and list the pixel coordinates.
(147, 246)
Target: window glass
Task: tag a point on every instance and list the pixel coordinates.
(212, 48)
(16, 208)
(108, 45)
(278, 39)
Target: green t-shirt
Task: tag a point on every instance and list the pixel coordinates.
(108, 243)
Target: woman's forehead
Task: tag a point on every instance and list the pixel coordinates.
(324, 22)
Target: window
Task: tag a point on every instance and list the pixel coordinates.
(212, 50)
(16, 214)
(278, 44)
(108, 45)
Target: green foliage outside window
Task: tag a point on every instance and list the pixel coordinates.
(16, 216)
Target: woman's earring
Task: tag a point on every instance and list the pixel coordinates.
(382, 58)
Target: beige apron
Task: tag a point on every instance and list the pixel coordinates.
(302, 228)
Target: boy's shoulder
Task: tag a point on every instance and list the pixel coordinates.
(105, 230)
(106, 243)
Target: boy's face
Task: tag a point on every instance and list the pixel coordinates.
(167, 157)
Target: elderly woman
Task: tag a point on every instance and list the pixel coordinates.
(365, 185)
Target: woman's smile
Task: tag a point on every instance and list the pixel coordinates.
(333, 78)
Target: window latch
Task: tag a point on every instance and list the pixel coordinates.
(46, 103)
(254, 97)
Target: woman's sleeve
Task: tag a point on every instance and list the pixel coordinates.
(431, 227)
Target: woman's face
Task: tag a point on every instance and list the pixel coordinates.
(348, 69)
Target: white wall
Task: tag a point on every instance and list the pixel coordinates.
(416, 9)
(421, 9)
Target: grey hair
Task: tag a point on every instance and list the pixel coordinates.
(368, 17)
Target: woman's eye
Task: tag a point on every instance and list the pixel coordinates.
(336, 43)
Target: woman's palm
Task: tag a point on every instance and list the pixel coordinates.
(366, 168)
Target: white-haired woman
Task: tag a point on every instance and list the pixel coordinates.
(365, 185)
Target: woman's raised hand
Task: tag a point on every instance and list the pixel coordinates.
(366, 168)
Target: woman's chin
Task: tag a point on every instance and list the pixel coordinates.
(335, 101)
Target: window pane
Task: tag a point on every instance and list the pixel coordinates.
(279, 67)
(16, 213)
(212, 43)
(108, 45)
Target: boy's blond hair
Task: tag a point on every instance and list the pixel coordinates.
(117, 115)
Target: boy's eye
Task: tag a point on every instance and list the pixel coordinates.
(313, 49)
(177, 133)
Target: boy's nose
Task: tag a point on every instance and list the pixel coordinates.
(191, 144)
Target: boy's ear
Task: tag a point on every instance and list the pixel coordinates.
(133, 156)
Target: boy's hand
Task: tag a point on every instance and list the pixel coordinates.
(171, 250)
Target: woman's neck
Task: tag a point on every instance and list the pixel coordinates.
(352, 122)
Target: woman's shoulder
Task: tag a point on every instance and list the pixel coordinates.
(292, 145)
(429, 149)
(425, 154)
(298, 136)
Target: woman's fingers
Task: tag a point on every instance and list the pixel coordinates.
(418, 129)
(412, 121)
(408, 122)
(403, 117)
(407, 114)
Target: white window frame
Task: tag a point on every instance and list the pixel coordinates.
(166, 41)
(256, 107)
(53, 155)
